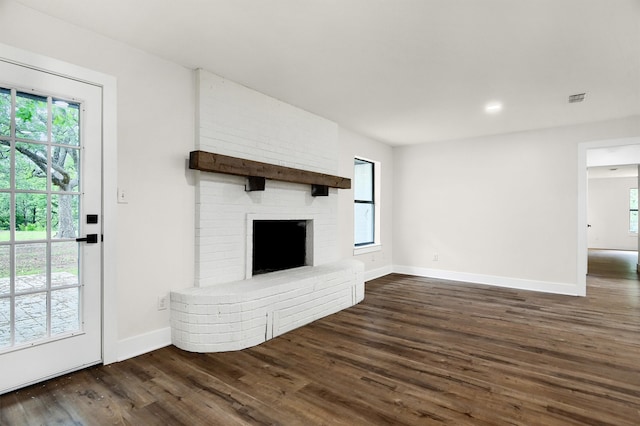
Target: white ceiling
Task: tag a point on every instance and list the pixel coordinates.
(399, 71)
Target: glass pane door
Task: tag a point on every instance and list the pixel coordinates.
(50, 184)
(40, 297)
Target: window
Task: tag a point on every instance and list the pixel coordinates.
(633, 210)
(364, 202)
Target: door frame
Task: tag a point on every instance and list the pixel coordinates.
(108, 87)
(583, 164)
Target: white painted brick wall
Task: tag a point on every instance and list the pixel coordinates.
(237, 121)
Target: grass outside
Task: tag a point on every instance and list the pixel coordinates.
(24, 235)
(30, 261)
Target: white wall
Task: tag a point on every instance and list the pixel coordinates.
(500, 210)
(155, 134)
(608, 214)
(377, 263)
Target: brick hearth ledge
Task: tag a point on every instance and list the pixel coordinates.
(241, 314)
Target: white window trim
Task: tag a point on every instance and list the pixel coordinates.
(377, 183)
(631, 233)
(367, 249)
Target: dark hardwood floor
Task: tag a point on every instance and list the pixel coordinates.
(416, 351)
(613, 264)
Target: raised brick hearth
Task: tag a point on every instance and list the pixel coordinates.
(245, 313)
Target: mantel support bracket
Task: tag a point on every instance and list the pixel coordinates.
(254, 183)
(319, 190)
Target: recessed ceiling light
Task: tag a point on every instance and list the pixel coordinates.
(493, 108)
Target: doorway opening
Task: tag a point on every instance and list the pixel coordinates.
(605, 153)
(613, 219)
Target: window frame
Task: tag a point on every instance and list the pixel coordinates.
(375, 244)
(631, 210)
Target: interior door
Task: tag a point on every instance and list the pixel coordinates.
(50, 225)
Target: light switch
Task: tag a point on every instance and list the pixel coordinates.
(122, 196)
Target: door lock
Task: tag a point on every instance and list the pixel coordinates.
(89, 239)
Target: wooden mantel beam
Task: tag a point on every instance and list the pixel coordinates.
(210, 162)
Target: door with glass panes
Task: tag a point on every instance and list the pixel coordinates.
(50, 225)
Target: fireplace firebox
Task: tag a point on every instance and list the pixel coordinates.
(278, 245)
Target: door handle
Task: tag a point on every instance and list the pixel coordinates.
(89, 239)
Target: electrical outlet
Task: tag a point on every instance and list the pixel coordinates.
(435, 257)
(162, 303)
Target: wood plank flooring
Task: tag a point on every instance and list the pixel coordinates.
(416, 352)
(613, 264)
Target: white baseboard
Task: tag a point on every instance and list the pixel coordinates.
(515, 283)
(143, 343)
(377, 273)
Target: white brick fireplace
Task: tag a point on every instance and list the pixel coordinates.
(236, 121)
(240, 122)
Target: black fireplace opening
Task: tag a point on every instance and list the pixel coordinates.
(278, 245)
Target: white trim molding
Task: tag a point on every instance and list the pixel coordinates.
(515, 283)
(367, 249)
(584, 161)
(143, 343)
(377, 273)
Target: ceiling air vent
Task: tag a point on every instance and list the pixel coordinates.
(578, 97)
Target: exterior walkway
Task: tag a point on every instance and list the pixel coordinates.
(31, 308)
